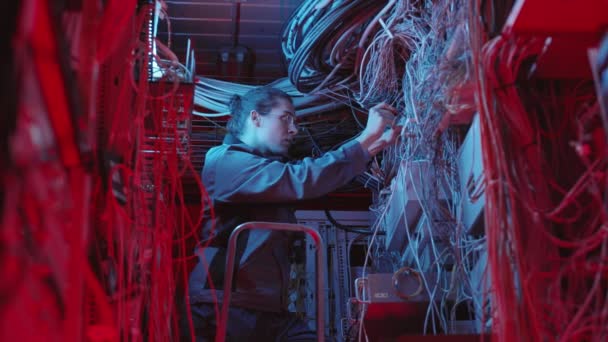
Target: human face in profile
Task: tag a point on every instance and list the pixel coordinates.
(278, 129)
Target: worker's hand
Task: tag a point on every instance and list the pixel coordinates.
(381, 117)
(380, 130)
(388, 138)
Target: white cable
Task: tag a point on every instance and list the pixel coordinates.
(210, 115)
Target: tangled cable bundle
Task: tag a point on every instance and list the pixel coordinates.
(428, 78)
(51, 291)
(381, 66)
(422, 34)
(545, 223)
(319, 42)
(146, 232)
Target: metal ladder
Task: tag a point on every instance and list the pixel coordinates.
(223, 321)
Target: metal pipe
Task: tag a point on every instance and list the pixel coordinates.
(220, 334)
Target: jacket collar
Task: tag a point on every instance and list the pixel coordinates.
(230, 139)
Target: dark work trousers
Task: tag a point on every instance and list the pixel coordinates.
(248, 325)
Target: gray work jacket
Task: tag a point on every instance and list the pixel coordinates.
(245, 185)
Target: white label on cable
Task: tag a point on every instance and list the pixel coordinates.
(381, 295)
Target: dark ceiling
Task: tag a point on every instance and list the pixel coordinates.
(253, 26)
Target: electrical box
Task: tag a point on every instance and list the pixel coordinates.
(394, 287)
(573, 27)
(414, 181)
(403, 208)
(471, 177)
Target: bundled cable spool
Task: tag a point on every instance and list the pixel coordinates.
(310, 40)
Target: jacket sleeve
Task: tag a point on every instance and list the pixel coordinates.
(245, 177)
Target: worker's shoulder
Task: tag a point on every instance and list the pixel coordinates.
(228, 152)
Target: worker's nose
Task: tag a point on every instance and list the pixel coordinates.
(293, 127)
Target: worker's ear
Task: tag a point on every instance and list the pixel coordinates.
(256, 118)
